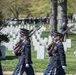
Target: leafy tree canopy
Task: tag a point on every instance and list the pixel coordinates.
(30, 8)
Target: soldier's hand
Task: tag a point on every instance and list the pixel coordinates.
(46, 46)
(47, 54)
(27, 65)
(64, 67)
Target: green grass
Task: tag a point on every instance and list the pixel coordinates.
(10, 62)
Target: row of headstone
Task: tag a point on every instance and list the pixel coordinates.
(45, 41)
(39, 43)
(14, 36)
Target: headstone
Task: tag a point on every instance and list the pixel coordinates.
(38, 37)
(49, 39)
(10, 44)
(65, 46)
(40, 52)
(14, 36)
(44, 29)
(25, 27)
(41, 41)
(68, 43)
(45, 40)
(22, 22)
(36, 46)
(75, 53)
(3, 51)
(28, 27)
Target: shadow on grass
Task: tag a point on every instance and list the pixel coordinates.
(10, 57)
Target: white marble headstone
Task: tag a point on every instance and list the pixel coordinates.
(65, 46)
(49, 39)
(68, 43)
(40, 52)
(36, 46)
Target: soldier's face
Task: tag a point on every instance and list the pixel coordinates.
(52, 37)
(56, 38)
(23, 37)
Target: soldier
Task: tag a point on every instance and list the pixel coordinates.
(48, 48)
(24, 64)
(0, 64)
(58, 59)
(17, 69)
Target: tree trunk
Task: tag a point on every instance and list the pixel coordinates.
(53, 15)
(62, 14)
(17, 16)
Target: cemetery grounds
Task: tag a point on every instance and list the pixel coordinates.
(39, 65)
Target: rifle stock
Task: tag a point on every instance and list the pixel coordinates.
(18, 45)
(63, 35)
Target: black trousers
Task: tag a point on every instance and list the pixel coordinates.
(58, 71)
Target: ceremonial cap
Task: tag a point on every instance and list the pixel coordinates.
(58, 34)
(24, 32)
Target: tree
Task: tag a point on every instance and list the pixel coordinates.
(25, 8)
(71, 6)
(53, 15)
(34, 8)
(2, 36)
(14, 8)
(1, 18)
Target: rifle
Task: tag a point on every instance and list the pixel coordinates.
(51, 45)
(17, 48)
(34, 29)
(63, 33)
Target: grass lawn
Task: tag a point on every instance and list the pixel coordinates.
(10, 62)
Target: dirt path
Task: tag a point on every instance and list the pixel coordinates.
(10, 73)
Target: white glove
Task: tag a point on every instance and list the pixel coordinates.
(75, 53)
(64, 67)
(27, 65)
(47, 54)
(46, 47)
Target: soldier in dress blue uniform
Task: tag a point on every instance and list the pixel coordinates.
(17, 69)
(26, 54)
(0, 64)
(48, 48)
(25, 61)
(58, 59)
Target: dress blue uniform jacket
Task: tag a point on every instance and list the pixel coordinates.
(24, 58)
(58, 56)
(26, 52)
